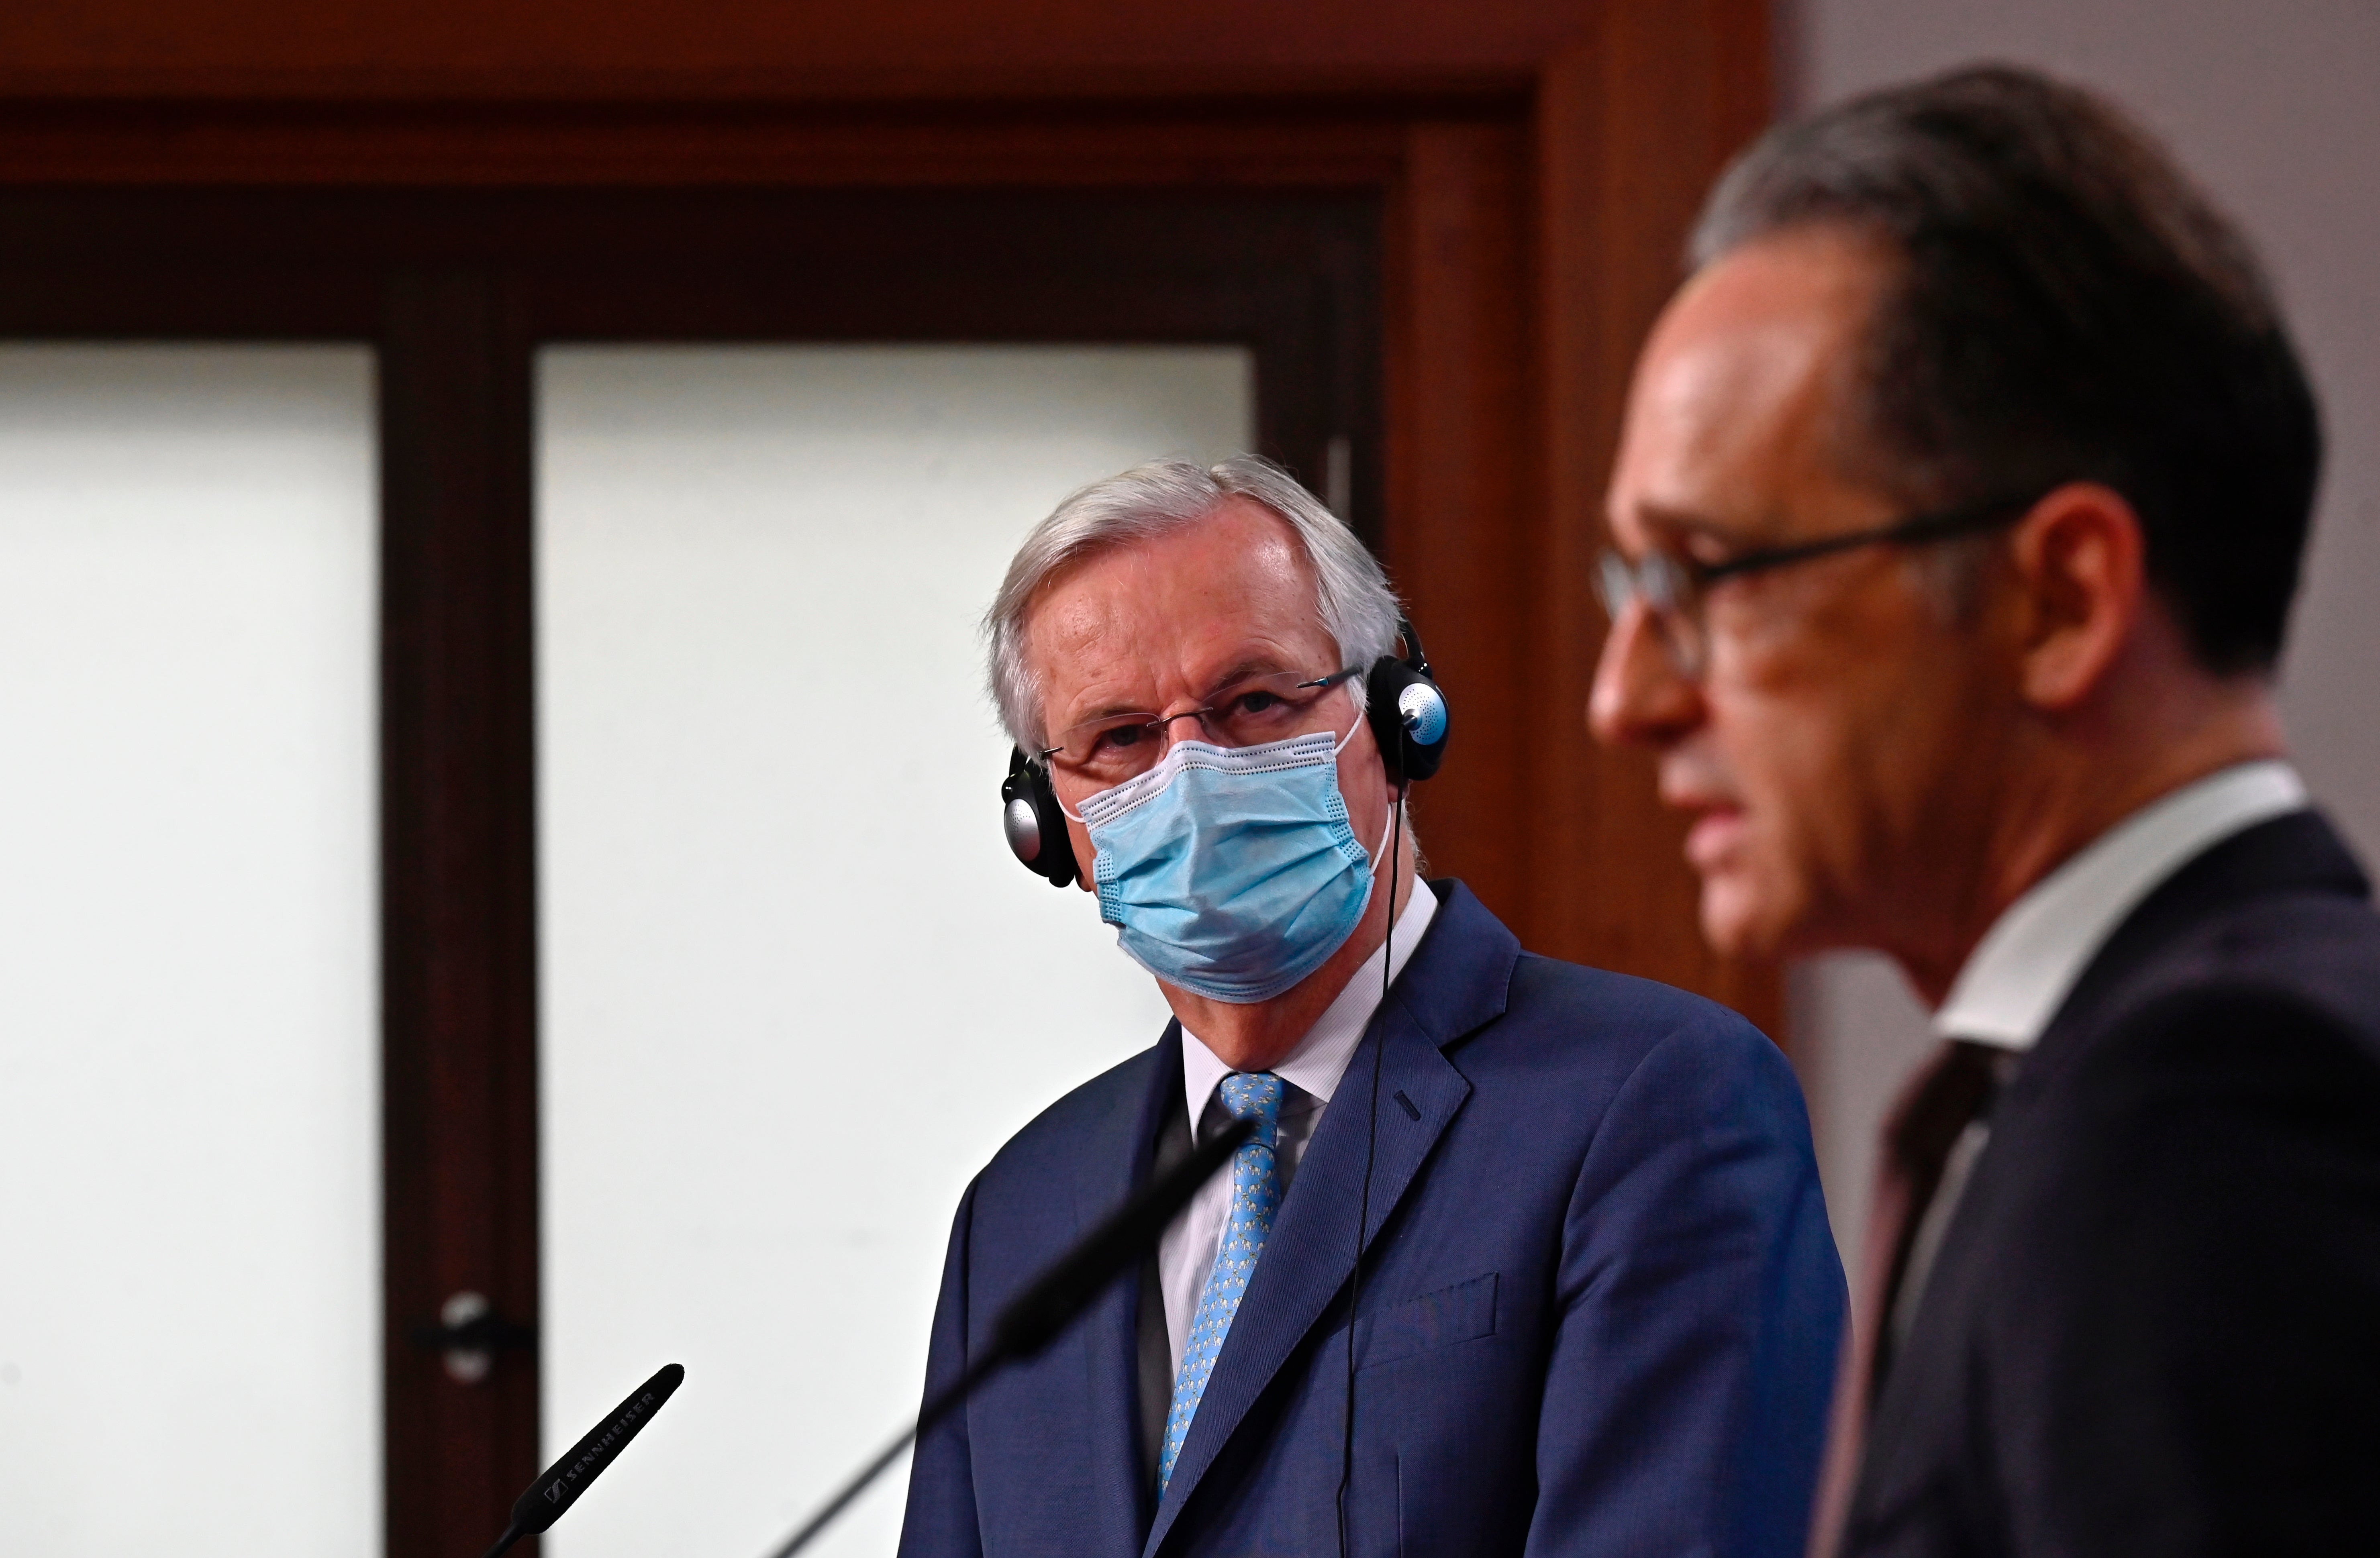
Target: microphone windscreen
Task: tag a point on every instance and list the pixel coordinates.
(558, 1487)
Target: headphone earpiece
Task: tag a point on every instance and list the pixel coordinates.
(1407, 710)
(1035, 822)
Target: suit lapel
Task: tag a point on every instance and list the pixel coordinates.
(2298, 851)
(1112, 1167)
(1455, 981)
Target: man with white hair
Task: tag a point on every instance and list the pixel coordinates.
(1594, 1303)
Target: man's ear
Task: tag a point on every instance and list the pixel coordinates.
(2080, 559)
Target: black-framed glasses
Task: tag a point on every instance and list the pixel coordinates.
(1249, 712)
(1673, 588)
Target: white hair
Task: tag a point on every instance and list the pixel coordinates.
(1351, 593)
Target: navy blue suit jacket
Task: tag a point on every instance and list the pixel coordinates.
(1599, 1311)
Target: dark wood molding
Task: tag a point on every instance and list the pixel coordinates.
(701, 145)
(1461, 486)
(764, 51)
(1633, 126)
(458, 872)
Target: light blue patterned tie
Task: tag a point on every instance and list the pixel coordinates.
(1256, 1196)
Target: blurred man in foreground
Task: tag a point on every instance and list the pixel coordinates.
(1598, 1303)
(1959, 509)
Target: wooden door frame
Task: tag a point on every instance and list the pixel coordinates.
(1534, 166)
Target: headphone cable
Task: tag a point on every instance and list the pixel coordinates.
(1371, 1144)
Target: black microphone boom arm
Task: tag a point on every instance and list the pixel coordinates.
(1035, 1317)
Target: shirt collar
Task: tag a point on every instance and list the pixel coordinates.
(2021, 972)
(1320, 1059)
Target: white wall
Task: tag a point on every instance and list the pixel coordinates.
(189, 1047)
(2276, 107)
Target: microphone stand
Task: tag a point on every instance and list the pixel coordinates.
(937, 1408)
(1035, 1317)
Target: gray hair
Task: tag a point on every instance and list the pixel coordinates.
(1351, 592)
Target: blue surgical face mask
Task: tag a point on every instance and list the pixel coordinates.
(1232, 871)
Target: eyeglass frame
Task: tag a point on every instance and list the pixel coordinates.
(1940, 524)
(1157, 724)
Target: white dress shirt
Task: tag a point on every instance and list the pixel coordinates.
(2022, 971)
(1187, 1253)
(2027, 963)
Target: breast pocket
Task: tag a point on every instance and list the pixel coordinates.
(1460, 1314)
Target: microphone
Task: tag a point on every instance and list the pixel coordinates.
(1035, 1317)
(559, 1485)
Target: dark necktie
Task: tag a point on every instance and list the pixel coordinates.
(1940, 1102)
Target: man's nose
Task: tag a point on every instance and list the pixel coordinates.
(1175, 730)
(1639, 697)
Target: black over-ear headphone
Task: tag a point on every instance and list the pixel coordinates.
(1035, 822)
(1401, 703)
(1406, 710)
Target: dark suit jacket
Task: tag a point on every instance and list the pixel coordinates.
(2154, 1326)
(1600, 1302)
